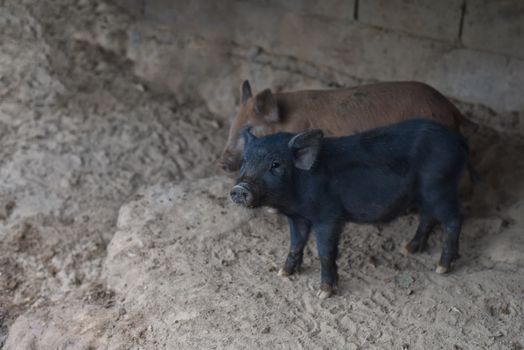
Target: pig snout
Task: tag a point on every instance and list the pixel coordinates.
(241, 194)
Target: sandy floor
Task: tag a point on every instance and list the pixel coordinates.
(108, 240)
(78, 135)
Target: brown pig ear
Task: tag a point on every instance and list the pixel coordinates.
(246, 91)
(305, 148)
(266, 106)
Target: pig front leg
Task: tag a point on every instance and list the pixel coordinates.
(327, 236)
(299, 229)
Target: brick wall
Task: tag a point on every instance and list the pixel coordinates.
(471, 50)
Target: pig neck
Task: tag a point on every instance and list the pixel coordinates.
(337, 154)
(295, 113)
(284, 203)
(308, 196)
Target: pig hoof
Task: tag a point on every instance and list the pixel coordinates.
(283, 273)
(407, 249)
(442, 269)
(322, 294)
(412, 248)
(325, 291)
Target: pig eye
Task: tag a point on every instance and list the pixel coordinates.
(275, 164)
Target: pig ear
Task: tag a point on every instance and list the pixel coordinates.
(305, 147)
(248, 136)
(266, 106)
(246, 91)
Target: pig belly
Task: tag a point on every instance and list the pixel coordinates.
(375, 195)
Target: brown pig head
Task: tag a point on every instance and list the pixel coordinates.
(260, 111)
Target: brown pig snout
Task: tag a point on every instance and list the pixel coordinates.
(230, 163)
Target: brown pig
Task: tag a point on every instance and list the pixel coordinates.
(337, 112)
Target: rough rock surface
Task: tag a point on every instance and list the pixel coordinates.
(78, 135)
(188, 269)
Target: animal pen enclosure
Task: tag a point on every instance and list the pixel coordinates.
(116, 227)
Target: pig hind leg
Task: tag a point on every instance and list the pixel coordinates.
(451, 244)
(445, 208)
(327, 236)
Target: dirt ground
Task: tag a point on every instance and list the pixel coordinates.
(115, 232)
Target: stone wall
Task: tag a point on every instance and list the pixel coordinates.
(471, 50)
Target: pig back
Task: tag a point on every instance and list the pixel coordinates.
(342, 112)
